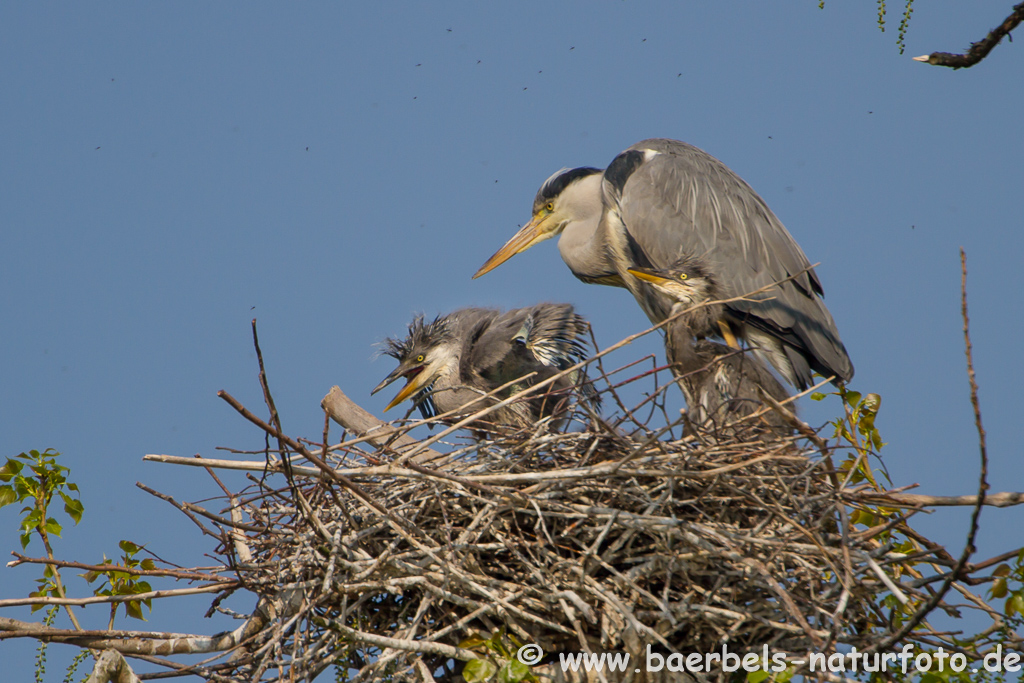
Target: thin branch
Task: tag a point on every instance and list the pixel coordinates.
(915, 500)
(173, 573)
(969, 548)
(111, 599)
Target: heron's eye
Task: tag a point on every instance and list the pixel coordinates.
(683, 276)
(550, 207)
(420, 358)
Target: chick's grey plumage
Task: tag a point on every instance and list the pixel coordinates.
(719, 383)
(452, 362)
(662, 199)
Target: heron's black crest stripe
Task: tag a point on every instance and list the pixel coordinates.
(554, 186)
(622, 167)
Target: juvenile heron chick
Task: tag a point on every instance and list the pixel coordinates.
(450, 364)
(718, 382)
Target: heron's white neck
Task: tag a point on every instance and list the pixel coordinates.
(581, 248)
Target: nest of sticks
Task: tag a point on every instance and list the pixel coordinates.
(395, 557)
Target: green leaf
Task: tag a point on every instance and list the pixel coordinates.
(1002, 570)
(757, 676)
(785, 676)
(852, 397)
(998, 589)
(149, 565)
(73, 508)
(129, 547)
(816, 396)
(478, 670)
(52, 526)
(513, 671)
(133, 609)
(1014, 604)
(7, 495)
(471, 642)
(876, 440)
(11, 469)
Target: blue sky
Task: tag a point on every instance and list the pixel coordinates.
(170, 171)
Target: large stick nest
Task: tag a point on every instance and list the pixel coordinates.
(388, 555)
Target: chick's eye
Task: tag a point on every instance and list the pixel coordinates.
(420, 358)
(683, 276)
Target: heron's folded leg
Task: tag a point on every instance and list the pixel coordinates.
(727, 334)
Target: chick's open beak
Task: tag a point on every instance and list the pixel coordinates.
(417, 379)
(537, 230)
(395, 374)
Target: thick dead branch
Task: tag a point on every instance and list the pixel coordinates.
(111, 668)
(980, 49)
(352, 417)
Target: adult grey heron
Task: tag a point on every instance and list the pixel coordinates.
(718, 382)
(663, 199)
(450, 363)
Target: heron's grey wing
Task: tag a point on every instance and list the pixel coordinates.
(492, 358)
(557, 338)
(675, 199)
(542, 339)
(555, 335)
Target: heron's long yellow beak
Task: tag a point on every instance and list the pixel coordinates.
(647, 275)
(530, 234)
